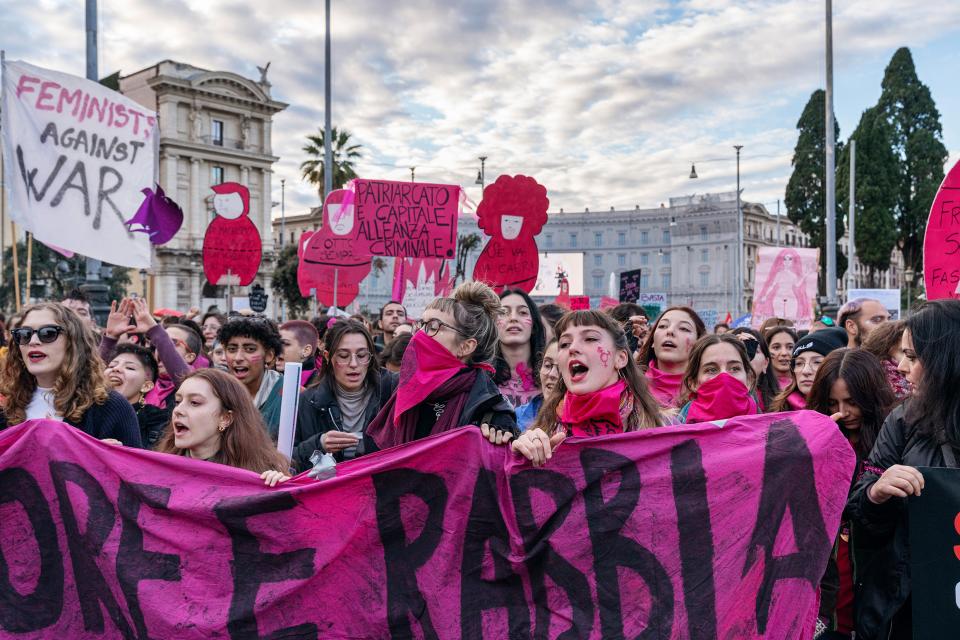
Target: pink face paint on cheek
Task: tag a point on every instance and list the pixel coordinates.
(527, 322)
(604, 356)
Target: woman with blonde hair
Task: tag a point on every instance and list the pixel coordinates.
(53, 370)
(214, 419)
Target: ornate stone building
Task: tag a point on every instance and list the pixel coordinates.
(214, 127)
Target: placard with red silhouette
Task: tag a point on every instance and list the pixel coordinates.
(231, 245)
(579, 303)
(417, 281)
(941, 242)
(330, 255)
(405, 218)
(512, 213)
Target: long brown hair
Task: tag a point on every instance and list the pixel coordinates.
(883, 338)
(245, 443)
(647, 354)
(646, 411)
(80, 382)
(868, 388)
(696, 357)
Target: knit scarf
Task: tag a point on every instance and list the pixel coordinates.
(720, 398)
(429, 373)
(598, 413)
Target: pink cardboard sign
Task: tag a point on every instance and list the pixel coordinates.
(683, 532)
(579, 303)
(329, 256)
(405, 218)
(231, 245)
(512, 213)
(941, 242)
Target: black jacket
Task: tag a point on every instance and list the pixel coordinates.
(882, 567)
(319, 413)
(114, 418)
(485, 404)
(153, 422)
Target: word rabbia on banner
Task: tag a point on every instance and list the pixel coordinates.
(670, 533)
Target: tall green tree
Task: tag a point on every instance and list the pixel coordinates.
(909, 109)
(53, 275)
(285, 282)
(344, 155)
(875, 197)
(806, 192)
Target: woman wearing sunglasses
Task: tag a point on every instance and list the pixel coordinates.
(446, 376)
(54, 371)
(352, 390)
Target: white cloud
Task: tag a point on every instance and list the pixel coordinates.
(606, 102)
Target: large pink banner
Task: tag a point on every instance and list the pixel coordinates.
(680, 532)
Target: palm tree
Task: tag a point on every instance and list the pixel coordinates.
(468, 243)
(344, 155)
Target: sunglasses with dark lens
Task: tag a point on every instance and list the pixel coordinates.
(751, 346)
(47, 334)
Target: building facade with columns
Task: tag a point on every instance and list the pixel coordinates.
(215, 126)
(685, 249)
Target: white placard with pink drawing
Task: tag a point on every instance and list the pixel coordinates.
(785, 285)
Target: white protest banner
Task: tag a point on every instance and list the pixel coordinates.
(77, 155)
(889, 298)
(555, 267)
(289, 402)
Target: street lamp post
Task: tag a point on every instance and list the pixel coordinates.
(481, 175)
(739, 237)
(283, 210)
(908, 274)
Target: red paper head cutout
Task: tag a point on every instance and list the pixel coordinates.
(231, 245)
(512, 212)
(328, 255)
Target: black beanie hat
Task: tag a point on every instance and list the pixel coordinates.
(822, 342)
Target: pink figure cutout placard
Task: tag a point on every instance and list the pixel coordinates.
(786, 285)
(512, 213)
(941, 242)
(330, 255)
(231, 245)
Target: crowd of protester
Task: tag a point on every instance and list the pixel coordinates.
(529, 376)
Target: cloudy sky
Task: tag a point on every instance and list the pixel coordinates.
(607, 103)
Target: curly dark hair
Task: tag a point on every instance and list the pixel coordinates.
(263, 330)
(144, 355)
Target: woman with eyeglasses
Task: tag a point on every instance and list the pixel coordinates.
(446, 377)
(55, 372)
(352, 390)
(549, 375)
(808, 355)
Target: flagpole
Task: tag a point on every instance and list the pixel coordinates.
(29, 240)
(3, 191)
(16, 267)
